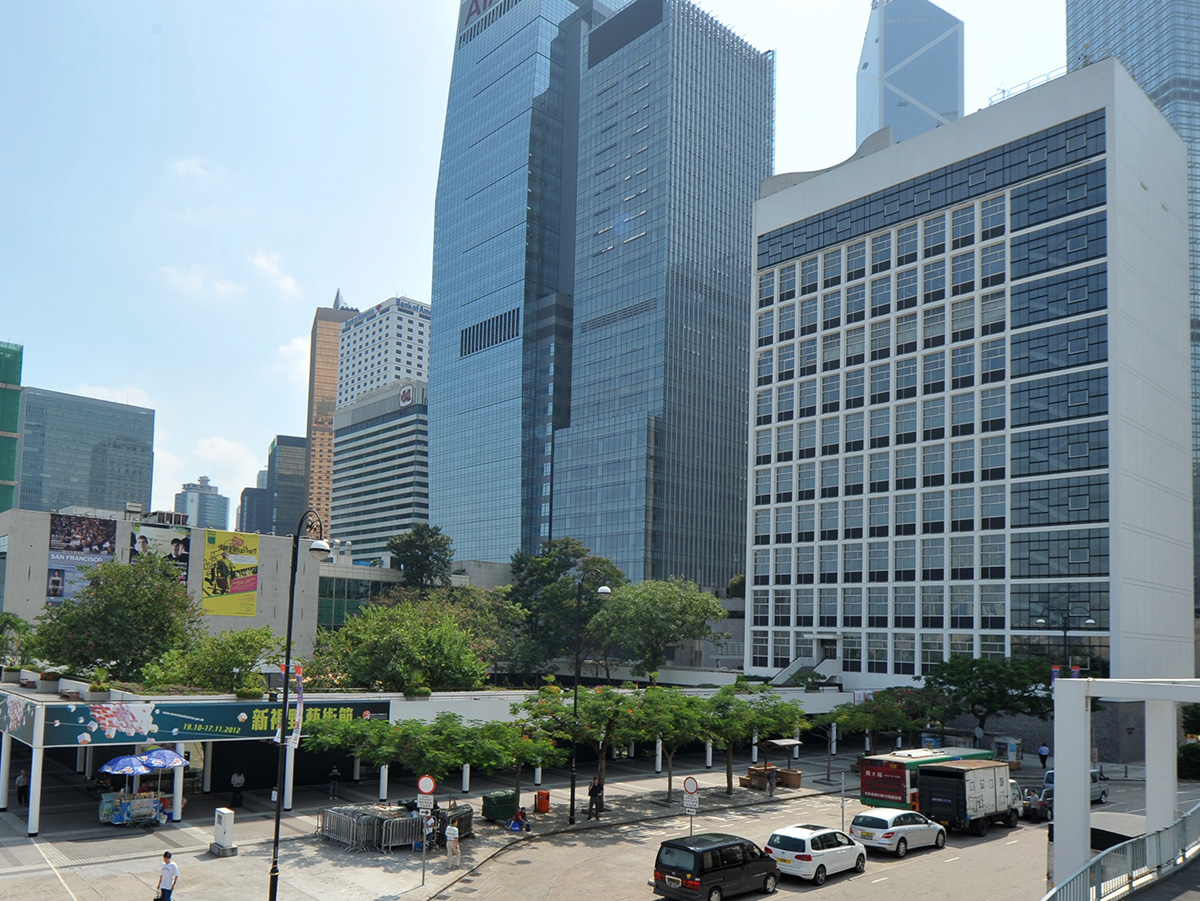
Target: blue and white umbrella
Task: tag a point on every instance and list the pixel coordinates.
(161, 759)
(126, 766)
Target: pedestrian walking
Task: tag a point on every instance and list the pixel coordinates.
(453, 851)
(167, 877)
(334, 776)
(595, 798)
(23, 789)
(772, 778)
(1043, 753)
(237, 782)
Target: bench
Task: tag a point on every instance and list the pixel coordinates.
(29, 683)
(70, 695)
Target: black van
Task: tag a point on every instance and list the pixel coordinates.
(712, 866)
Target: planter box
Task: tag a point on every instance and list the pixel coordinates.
(46, 687)
(90, 695)
(14, 676)
(756, 777)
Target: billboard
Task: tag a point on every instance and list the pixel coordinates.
(230, 573)
(172, 542)
(75, 542)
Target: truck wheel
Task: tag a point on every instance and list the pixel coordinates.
(1011, 820)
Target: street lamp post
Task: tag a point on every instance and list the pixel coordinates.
(319, 549)
(603, 591)
(1065, 622)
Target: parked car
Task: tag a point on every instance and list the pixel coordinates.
(1038, 806)
(1099, 789)
(712, 866)
(814, 852)
(895, 831)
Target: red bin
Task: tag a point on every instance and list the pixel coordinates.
(541, 801)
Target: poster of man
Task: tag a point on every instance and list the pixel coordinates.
(172, 542)
(230, 573)
(75, 542)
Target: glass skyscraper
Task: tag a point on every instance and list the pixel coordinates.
(910, 74)
(591, 281)
(78, 451)
(10, 410)
(1158, 41)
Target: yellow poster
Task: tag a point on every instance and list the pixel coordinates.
(230, 573)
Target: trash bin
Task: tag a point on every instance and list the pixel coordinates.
(541, 801)
(500, 805)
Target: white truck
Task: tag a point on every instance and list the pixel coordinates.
(968, 794)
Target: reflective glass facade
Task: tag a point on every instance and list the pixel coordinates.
(911, 72)
(588, 366)
(1158, 41)
(322, 398)
(77, 451)
(286, 484)
(10, 413)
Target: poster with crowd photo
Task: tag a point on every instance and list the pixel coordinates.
(172, 542)
(230, 573)
(75, 542)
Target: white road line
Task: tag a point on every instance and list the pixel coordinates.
(951, 859)
(881, 879)
(66, 887)
(1015, 841)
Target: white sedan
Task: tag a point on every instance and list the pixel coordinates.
(813, 852)
(895, 830)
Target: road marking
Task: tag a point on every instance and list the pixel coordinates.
(881, 879)
(1015, 841)
(951, 859)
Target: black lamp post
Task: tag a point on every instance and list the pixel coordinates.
(319, 550)
(1065, 622)
(603, 591)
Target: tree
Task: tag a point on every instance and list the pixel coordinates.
(986, 687)
(421, 645)
(517, 743)
(733, 715)
(882, 713)
(424, 554)
(1191, 719)
(127, 615)
(231, 661)
(737, 586)
(645, 620)
(14, 634)
(670, 716)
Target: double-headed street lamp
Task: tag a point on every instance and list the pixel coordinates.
(1064, 620)
(319, 550)
(603, 592)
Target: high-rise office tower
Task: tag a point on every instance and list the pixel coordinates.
(1156, 41)
(380, 467)
(287, 487)
(322, 398)
(910, 74)
(10, 414)
(386, 344)
(971, 396)
(204, 505)
(78, 451)
(589, 280)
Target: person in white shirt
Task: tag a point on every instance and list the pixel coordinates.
(167, 878)
(453, 851)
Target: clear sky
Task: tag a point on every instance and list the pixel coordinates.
(187, 181)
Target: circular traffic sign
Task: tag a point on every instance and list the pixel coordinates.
(690, 785)
(426, 785)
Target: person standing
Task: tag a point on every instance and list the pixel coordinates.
(453, 851)
(595, 798)
(1043, 753)
(772, 778)
(23, 789)
(334, 776)
(237, 782)
(167, 877)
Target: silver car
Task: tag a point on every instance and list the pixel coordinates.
(893, 830)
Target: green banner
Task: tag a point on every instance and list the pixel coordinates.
(138, 722)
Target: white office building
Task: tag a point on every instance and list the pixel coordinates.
(383, 345)
(970, 425)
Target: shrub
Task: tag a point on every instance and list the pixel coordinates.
(1189, 760)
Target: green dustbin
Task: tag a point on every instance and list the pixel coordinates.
(500, 805)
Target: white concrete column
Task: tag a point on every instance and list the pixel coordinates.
(35, 783)
(796, 749)
(466, 777)
(289, 775)
(383, 782)
(5, 767)
(357, 769)
(833, 738)
(658, 756)
(1160, 764)
(613, 751)
(1072, 780)
(79, 759)
(208, 766)
(89, 762)
(177, 797)
(754, 747)
(537, 774)
(632, 753)
(708, 754)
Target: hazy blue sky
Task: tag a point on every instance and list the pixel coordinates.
(187, 181)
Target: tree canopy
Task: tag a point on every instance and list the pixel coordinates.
(986, 687)
(14, 634)
(128, 615)
(670, 716)
(229, 662)
(424, 554)
(643, 621)
(733, 715)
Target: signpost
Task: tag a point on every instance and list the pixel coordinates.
(425, 787)
(691, 800)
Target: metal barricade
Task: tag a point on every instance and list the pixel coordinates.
(339, 826)
(401, 830)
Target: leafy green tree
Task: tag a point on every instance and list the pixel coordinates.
(732, 716)
(737, 586)
(516, 744)
(397, 648)
(231, 661)
(670, 716)
(645, 620)
(986, 687)
(882, 713)
(424, 554)
(545, 586)
(128, 615)
(14, 633)
(1191, 719)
